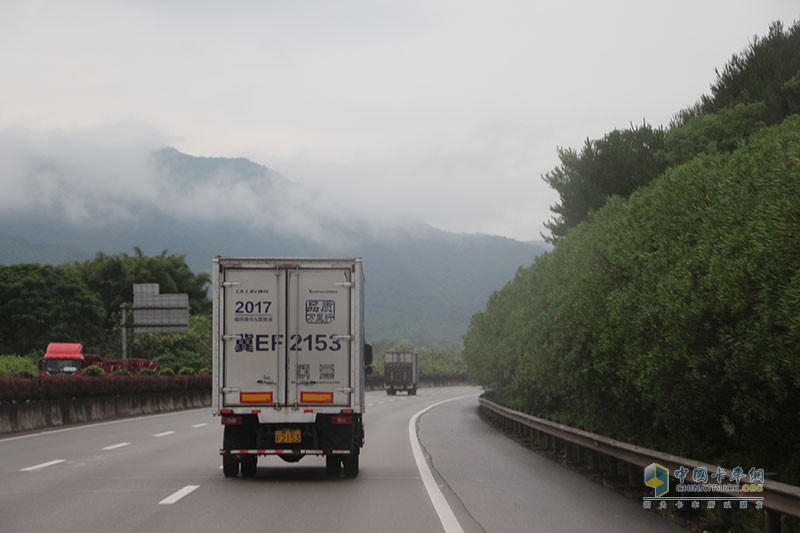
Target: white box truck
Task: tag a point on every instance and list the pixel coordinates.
(400, 372)
(289, 361)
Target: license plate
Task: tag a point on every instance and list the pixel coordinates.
(288, 436)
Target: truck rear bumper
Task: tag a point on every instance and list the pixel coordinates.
(284, 452)
(327, 435)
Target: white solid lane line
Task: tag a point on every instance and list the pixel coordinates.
(164, 434)
(43, 465)
(115, 446)
(169, 500)
(446, 515)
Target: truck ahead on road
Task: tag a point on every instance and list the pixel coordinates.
(400, 372)
(67, 358)
(63, 358)
(289, 361)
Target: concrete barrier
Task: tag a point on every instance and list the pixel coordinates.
(29, 416)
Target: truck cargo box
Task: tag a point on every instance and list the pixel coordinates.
(289, 360)
(400, 372)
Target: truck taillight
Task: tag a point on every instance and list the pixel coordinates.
(342, 420)
(230, 420)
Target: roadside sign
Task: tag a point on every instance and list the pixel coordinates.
(159, 313)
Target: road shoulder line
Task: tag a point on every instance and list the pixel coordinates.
(443, 509)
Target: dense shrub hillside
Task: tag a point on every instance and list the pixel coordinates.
(671, 318)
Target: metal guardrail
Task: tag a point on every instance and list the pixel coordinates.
(779, 498)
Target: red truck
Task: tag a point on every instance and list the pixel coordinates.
(63, 358)
(67, 358)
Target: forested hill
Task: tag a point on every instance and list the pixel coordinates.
(668, 314)
(423, 283)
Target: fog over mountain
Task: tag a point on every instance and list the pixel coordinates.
(67, 197)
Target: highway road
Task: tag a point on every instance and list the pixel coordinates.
(163, 473)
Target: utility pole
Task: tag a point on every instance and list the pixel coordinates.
(124, 309)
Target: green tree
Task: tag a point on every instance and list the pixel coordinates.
(40, 304)
(191, 349)
(712, 133)
(617, 164)
(758, 87)
(766, 71)
(113, 277)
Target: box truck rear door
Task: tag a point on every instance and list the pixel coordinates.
(253, 325)
(318, 336)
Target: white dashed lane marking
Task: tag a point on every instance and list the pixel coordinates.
(115, 446)
(43, 465)
(169, 500)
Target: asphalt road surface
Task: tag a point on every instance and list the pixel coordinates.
(441, 469)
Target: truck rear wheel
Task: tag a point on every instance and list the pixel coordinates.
(230, 466)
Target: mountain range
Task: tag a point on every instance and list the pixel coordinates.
(423, 284)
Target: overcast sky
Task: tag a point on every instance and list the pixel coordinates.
(446, 111)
